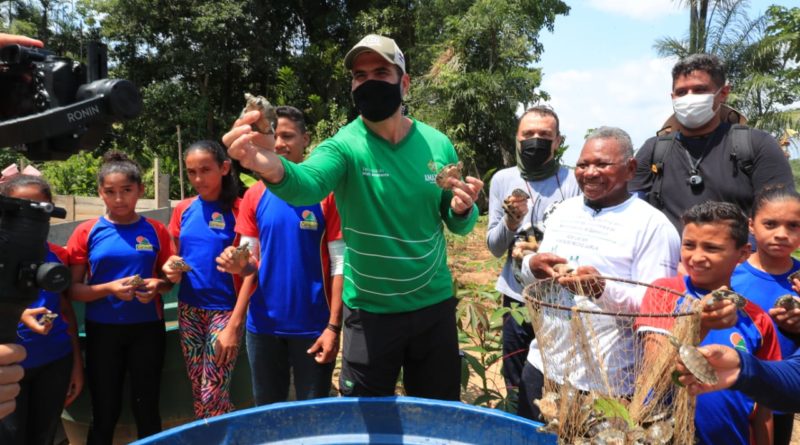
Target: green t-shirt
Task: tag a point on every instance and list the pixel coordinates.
(392, 213)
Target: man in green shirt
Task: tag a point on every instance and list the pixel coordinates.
(399, 307)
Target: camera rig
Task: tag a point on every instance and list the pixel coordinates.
(56, 106)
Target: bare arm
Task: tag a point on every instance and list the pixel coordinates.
(80, 291)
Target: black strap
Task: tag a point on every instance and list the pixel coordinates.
(742, 148)
(663, 145)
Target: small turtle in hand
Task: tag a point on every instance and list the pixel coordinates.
(449, 171)
(724, 293)
(563, 269)
(47, 318)
(135, 281)
(787, 302)
(241, 253)
(180, 265)
(511, 211)
(695, 362)
(793, 276)
(266, 123)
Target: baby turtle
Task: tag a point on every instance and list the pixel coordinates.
(787, 302)
(47, 318)
(727, 294)
(180, 265)
(695, 362)
(793, 276)
(510, 210)
(563, 269)
(135, 281)
(449, 171)
(266, 123)
(241, 253)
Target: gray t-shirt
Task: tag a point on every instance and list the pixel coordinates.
(544, 195)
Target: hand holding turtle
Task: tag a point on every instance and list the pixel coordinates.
(543, 265)
(30, 318)
(172, 268)
(786, 313)
(583, 281)
(515, 207)
(719, 311)
(123, 288)
(464, 194)
(253, 149)
(722, 359)
(147, 291)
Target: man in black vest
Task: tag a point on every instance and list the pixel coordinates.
(706, 158)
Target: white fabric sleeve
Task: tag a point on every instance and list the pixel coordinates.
(525, 269)
(656, 256)
(336, 251)
(254, 246)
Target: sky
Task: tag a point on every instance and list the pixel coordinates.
(599, 66)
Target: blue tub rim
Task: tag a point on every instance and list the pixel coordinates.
(399, 400)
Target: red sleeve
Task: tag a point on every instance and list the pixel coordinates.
(658, 301)
(770, 348)
(78, 243)
(60, 252)
(246, 224)
(177, 216)
(164, 241)
(333, 223)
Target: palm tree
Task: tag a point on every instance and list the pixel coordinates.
(760, 67)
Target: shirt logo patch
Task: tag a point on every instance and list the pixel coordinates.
(143, 244)
(738, 342)
(217, 221)
(309, 221)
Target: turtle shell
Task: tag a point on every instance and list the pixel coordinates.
(697, 364)
(787, 302)
(449, 171)
(179, 265)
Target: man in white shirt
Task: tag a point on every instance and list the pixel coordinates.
(606, 232)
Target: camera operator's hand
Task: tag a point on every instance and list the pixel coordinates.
(30, 318)
(149, 290)
(173, 275)
(10, 375)
(121, 289)
(11, 39)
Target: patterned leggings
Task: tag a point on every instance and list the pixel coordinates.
(210, 383)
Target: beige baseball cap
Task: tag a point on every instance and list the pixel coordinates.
(384, 46)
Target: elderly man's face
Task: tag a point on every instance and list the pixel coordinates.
(603, 172)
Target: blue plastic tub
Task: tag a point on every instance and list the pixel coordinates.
(344, 420)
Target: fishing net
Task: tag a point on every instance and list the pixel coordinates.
(608, 373)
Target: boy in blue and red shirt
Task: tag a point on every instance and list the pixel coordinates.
(714, 242)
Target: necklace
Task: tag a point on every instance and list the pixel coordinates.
(695, 180)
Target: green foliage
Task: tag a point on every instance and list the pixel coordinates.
(75, 176)
(760, 56)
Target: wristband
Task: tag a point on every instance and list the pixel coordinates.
(334, 328)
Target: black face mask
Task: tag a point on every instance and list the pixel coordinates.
(377, 100)
(534, 152)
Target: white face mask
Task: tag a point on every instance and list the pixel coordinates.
(694, 110)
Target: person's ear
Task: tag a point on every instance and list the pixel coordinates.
(226, 167)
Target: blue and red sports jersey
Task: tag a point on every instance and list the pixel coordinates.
(204, 230)
(44, 349)
(764, 289)
(114, 251)
(293, 293)
(721, 416)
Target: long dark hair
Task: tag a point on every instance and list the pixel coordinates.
(230, 187)
(118, 162)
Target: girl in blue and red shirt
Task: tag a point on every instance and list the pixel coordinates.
(201, 228)
(124, 323)
(53, 366)
(764, 277)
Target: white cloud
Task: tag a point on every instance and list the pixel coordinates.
(638, 9)
(634, 96)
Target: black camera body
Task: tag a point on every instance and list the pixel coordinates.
(56, 106)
